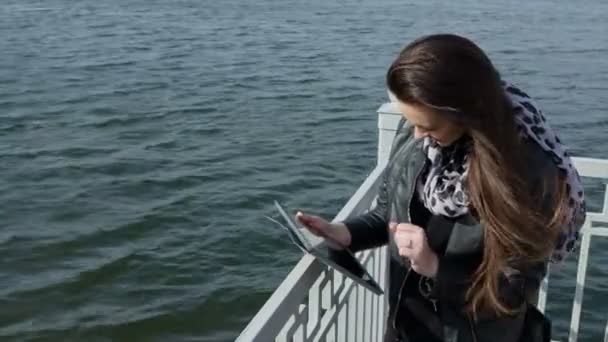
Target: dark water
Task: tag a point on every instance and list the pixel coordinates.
(142, 141)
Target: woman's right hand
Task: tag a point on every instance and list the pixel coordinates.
(320, 227)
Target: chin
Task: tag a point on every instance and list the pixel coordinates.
(449, 141)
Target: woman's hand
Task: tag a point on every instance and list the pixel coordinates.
(332, 231)
(412, 243)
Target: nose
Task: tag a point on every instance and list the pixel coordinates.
(418, 133)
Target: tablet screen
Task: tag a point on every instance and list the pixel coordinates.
(325, 251)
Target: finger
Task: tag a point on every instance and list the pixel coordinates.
(414, 232)
(392, 227)
(309, 223)
(404, 237)
(301, 217)
(409, 244)
(407, 227)
(405, 252)
(306, 219)
(313, 230)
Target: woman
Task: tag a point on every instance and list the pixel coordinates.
(478, 195)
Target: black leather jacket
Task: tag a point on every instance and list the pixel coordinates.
(458, 243)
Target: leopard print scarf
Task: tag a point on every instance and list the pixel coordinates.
(442, 187)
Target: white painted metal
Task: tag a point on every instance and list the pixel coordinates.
(590, 167)
(318, 304)
(388, 119)
(593, 168)
(580, 285)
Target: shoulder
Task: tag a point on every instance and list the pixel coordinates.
(404, 133)
(540, 169)
(405, 127)
(539, 162)
(406, 151)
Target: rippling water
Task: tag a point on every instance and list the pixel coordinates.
(142, 141)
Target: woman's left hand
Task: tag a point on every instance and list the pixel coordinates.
(412, 243)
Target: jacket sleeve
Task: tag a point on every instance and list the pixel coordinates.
(520, 279)
(370, 229)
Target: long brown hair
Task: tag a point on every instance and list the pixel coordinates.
(454, 77)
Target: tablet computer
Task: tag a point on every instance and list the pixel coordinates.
(326, 251)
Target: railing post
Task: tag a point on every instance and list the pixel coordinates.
(388, 119)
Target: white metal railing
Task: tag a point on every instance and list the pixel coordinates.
(588, 168)
(315, 303)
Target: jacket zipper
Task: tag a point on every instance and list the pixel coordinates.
(409, 216)
(399, 298)
(473, 334)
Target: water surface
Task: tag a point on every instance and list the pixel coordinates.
(142, 141)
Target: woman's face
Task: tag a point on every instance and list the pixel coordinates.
(428, 122)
